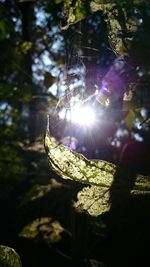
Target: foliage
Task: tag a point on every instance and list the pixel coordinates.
(9, 257)
(12, 170)
(45, 52)
(124, 21)
(98, 174)
(74, 12)
(37, 191)
(43, 229)
(94, 199)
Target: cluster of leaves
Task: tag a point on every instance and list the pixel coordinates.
(122, 20)
(10, 160)
(74, 12)
(127, 29)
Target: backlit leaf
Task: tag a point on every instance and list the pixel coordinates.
(99, 175)
(43, 229)
(74, 12)
(94, 199)
(74, 166)
(9, 257)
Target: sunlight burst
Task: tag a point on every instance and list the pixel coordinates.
(83, 116)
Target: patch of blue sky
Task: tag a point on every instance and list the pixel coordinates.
(58, 44)
(137, 124)
(6, 109)
(55, 71)
(144, 113)
(53, 89)
(138, 137)
(77, 69)
(18, 25)
(121, 133)
(46, 58)
(3, 105)
(41, 17)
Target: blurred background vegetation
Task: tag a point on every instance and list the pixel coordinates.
(54, 53)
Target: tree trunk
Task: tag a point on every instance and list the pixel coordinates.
(27, 22)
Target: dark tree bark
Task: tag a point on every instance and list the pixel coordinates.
(27, 14)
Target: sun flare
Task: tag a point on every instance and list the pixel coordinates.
(83, 116)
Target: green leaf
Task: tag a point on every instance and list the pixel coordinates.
(43, 229)
(129, 119)
(12, 170)
(9, 257)
(94, 199)
(38, 191)
(26, 46)
(99, 175)
(74, 166)
(59, 1)
(2, 29)
(74, 12)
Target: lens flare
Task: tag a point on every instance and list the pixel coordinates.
(84, 116)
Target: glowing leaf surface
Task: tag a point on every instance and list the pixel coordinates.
(9, 257)
(99, 175)
(74, 166)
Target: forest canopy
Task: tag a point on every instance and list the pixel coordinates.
(87, 65)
